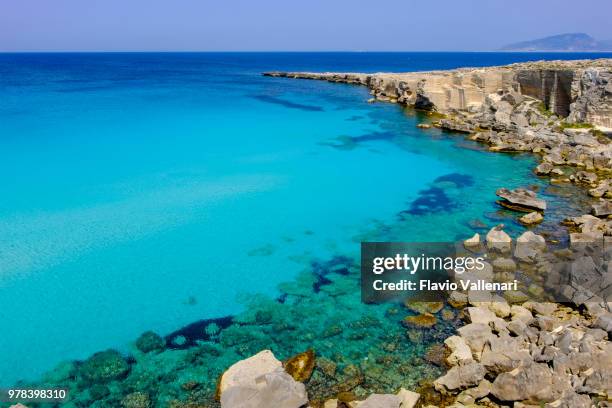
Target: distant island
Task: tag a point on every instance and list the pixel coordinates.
(562, 42)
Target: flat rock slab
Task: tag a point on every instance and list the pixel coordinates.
(520, 199)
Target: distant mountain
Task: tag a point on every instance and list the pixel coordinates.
(562, 42)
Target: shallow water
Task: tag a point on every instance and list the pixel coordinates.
(147, 191)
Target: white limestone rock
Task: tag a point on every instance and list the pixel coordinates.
(260, 381)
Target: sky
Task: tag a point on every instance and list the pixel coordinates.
(286, 25)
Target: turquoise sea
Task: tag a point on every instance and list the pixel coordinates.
(147, 191)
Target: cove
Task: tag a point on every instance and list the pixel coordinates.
(150, 191)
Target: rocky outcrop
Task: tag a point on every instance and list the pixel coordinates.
(520, 199)
(531, 353)
(578, 90)
(591, 96)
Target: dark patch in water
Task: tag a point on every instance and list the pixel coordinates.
(338, 264)
(373, 136)
(354, 118)
(460, 180)
(432, 200)
(351, 142)
(196, 332)
(287, 104)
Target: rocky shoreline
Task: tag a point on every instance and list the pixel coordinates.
(514, 351)
(518, 350)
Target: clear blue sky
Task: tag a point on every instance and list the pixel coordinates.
(122, 25)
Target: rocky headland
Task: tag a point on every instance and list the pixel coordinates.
(544, 345)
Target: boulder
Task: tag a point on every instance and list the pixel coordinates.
(604, 322)
(460, 377)
(408, 399)
(260, 381)
(498, 240)
(532, 218)
(300, 366)
(520, 199)
(521, 313)
(543, 169)
(457, 299)
(460, 352)
(534, 382)
(245, 372)
(475, 335)
(472, 243)
(584, 177)
(499, 306)
(275, 389)
(602, 209)
(529, 246)
(481, 315)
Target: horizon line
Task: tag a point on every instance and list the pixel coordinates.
(298, 51)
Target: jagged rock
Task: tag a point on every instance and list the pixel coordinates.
(604, 322)
(584, 177)
(529, 246)
(481, 315)
(534, 382)
(408, 399)
(473, 242)
(499, 306)
(460, 352)
(457, 299)
(501, 361)
(244, 372)
(460, 377)
(475, 335)
(517, 327)
(543, 169)
(469, 396)
(578, 239)
(520, 199)
(498, 240)
(532, 218)
(602, 209)
(300, 366)
(557, 172)
(273, 389)
(521, 313)
(603, 189)
(541, 308)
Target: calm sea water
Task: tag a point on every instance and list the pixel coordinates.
(146, 191)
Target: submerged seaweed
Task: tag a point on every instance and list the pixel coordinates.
(359, 348)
